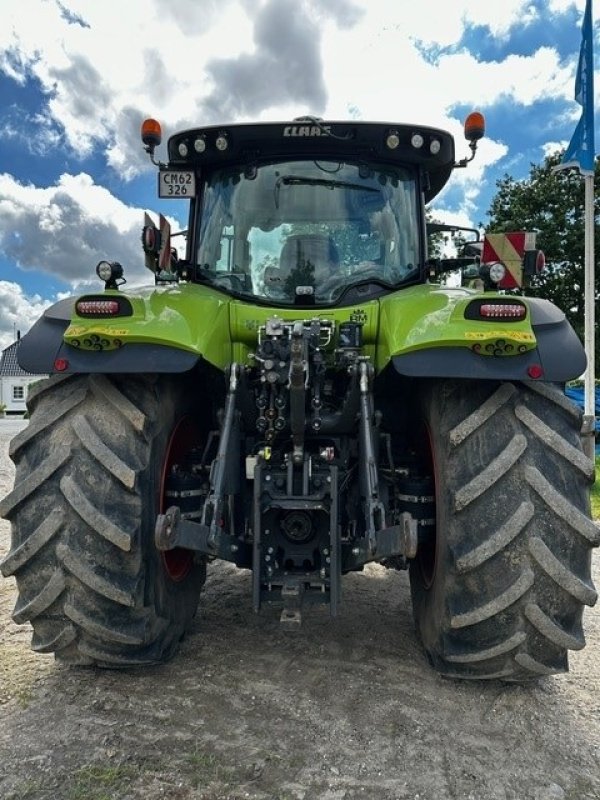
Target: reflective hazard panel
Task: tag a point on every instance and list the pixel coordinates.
(176, 184)
(509, 249)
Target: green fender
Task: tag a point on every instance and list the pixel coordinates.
(427, 331)
(164, 329)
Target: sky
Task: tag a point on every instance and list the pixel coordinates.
(77, 77)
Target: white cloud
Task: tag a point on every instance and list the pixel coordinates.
(236, 59)
(549, 148)
(384, 74)
(195, 63)
(560, 6)
(444, 23)
(19, 311)
(97, 82)
(65, 229)
(522, 79)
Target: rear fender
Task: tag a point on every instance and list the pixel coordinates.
(166, 330)
(43, 351)
(439, 343)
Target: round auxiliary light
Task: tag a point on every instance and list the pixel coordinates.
(393, 140)
(497, 272)
(110, 272)
(435, 146)
(221, 142)
(104, 270)
(200, 144)
(182, 149)
(417, 140)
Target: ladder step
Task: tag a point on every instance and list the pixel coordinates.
(292, 595)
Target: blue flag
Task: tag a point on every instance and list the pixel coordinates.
(581, 151)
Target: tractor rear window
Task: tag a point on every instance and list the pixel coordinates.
(307, 229)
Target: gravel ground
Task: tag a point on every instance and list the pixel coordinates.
(337, 710)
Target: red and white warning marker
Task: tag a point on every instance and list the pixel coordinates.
(509, 249)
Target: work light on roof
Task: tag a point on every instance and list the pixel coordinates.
(435, 146)
(393, 140)
(417, 140)
(221, 142)
(200, 144)
(182, 149)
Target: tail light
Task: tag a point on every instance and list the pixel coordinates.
(103, 307)
(503, 310)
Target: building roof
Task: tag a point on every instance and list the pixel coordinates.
(9, 366)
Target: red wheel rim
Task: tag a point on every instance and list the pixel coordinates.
(185, 435)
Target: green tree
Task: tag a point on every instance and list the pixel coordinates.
(435, 241)
(552, 204)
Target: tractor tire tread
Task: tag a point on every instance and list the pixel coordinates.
(505, 595)
(82, 548)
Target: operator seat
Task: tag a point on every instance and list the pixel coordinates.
(311, 249)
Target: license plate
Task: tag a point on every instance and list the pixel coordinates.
(176, 184)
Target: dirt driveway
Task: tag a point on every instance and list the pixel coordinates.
(338, 710)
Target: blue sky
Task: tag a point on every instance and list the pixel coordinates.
(78, 76)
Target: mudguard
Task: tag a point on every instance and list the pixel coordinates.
(43, 348)
(166, 330)
(438, 342)
(426, 331)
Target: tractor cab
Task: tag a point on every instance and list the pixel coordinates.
(303, 213)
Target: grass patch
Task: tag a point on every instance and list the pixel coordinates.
(23, 696)
(595, 493)
(96, 782)
(206, 768)
(28, 790)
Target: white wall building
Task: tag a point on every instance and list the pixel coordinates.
(14, 381)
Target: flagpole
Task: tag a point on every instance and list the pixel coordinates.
(581, 153)
(589, 413)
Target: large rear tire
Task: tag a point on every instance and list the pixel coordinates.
(499, 592)
(89, 476)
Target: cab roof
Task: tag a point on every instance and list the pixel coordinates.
(431, 149)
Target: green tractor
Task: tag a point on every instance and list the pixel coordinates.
(302, 393)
